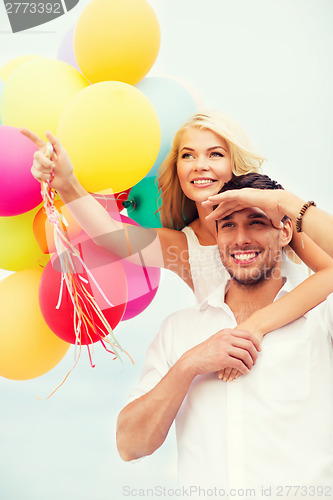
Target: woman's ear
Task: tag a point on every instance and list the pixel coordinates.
(286, 232)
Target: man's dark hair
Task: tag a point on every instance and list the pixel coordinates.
(251, 180)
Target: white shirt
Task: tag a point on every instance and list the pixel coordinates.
(272, 428)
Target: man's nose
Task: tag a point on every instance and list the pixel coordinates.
(242, 236)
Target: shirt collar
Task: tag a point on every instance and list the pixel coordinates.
(216, 298)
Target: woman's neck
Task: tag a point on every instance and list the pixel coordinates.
(205, 230)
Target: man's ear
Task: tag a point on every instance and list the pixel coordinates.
(286, 232)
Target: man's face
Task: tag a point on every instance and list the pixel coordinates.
(250, 246)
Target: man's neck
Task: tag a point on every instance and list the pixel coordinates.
(244, 300)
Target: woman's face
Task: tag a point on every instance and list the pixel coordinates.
(203, 163)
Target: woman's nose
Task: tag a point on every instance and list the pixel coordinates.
(201, 163)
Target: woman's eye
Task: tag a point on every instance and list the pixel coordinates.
(186, 155)
(217, 154)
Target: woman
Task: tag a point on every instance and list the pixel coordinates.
(207, 151)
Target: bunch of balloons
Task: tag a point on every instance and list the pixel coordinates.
(117, 126)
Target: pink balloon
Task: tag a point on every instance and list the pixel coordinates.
(142, 285)
(19, 191)
(142, 282)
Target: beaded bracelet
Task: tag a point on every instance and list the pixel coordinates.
(304, 208)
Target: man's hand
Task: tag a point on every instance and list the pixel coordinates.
(228, 348)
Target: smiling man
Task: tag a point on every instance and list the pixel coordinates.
(270, 432)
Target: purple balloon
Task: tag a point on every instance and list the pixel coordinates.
(66, 49)
(19, 191)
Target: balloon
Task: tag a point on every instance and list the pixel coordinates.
(117, 40)
(19, 191)
(66, 49)
(142, 283)
(8, 69)
(49, 85)
(28, 348)
(19, 249)
(112, 134)
(2, 86)
(174, 105)
(44, 230)
(120, 197)
(109, 274)
(142, 203)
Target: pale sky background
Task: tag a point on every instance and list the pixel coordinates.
(268, 63)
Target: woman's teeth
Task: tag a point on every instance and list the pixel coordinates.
(203, 181)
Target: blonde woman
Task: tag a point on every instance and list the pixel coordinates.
(207, 151)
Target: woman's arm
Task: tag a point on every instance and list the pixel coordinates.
(314, 247)
(152, 247)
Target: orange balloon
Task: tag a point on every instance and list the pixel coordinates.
(44, 231)
(28, 348)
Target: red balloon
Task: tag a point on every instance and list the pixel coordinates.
(108, 272)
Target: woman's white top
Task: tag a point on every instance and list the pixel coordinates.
(208, 271)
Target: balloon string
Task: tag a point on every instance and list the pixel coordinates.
(83, 302)
(58, 387)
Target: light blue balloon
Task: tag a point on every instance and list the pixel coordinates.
(174, 105)
(2, 86)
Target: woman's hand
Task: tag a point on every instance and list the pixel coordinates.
(268, 200)
(58, 169)
(231, 374)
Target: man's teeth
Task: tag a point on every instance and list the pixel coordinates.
(203, 181)
(244, 256)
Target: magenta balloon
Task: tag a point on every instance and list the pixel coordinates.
(142, 285)
(66, 49)
(19, 191)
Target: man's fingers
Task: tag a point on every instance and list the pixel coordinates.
(33, 137)
(239, 365)
(242, 355)
(244, 334)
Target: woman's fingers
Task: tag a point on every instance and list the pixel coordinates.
(33, 137)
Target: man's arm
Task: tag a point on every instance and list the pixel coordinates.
(144, 423)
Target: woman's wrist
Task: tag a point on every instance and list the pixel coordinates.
(290, 204)
(71, 190)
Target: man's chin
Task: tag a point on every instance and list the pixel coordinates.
(253, 277)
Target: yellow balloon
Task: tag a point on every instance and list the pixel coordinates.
(19, 248)
(7, 69)
(112, 134)
(117, 40)
(37, 92)
(28, 348)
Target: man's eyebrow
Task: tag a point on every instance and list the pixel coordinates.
(258, 216)
(250, 216)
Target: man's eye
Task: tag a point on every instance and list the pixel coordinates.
(226, 225)
(257, 222)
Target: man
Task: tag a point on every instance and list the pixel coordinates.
(271, 431)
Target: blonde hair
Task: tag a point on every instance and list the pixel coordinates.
(176, 209)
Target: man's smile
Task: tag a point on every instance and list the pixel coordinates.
(245, 257)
